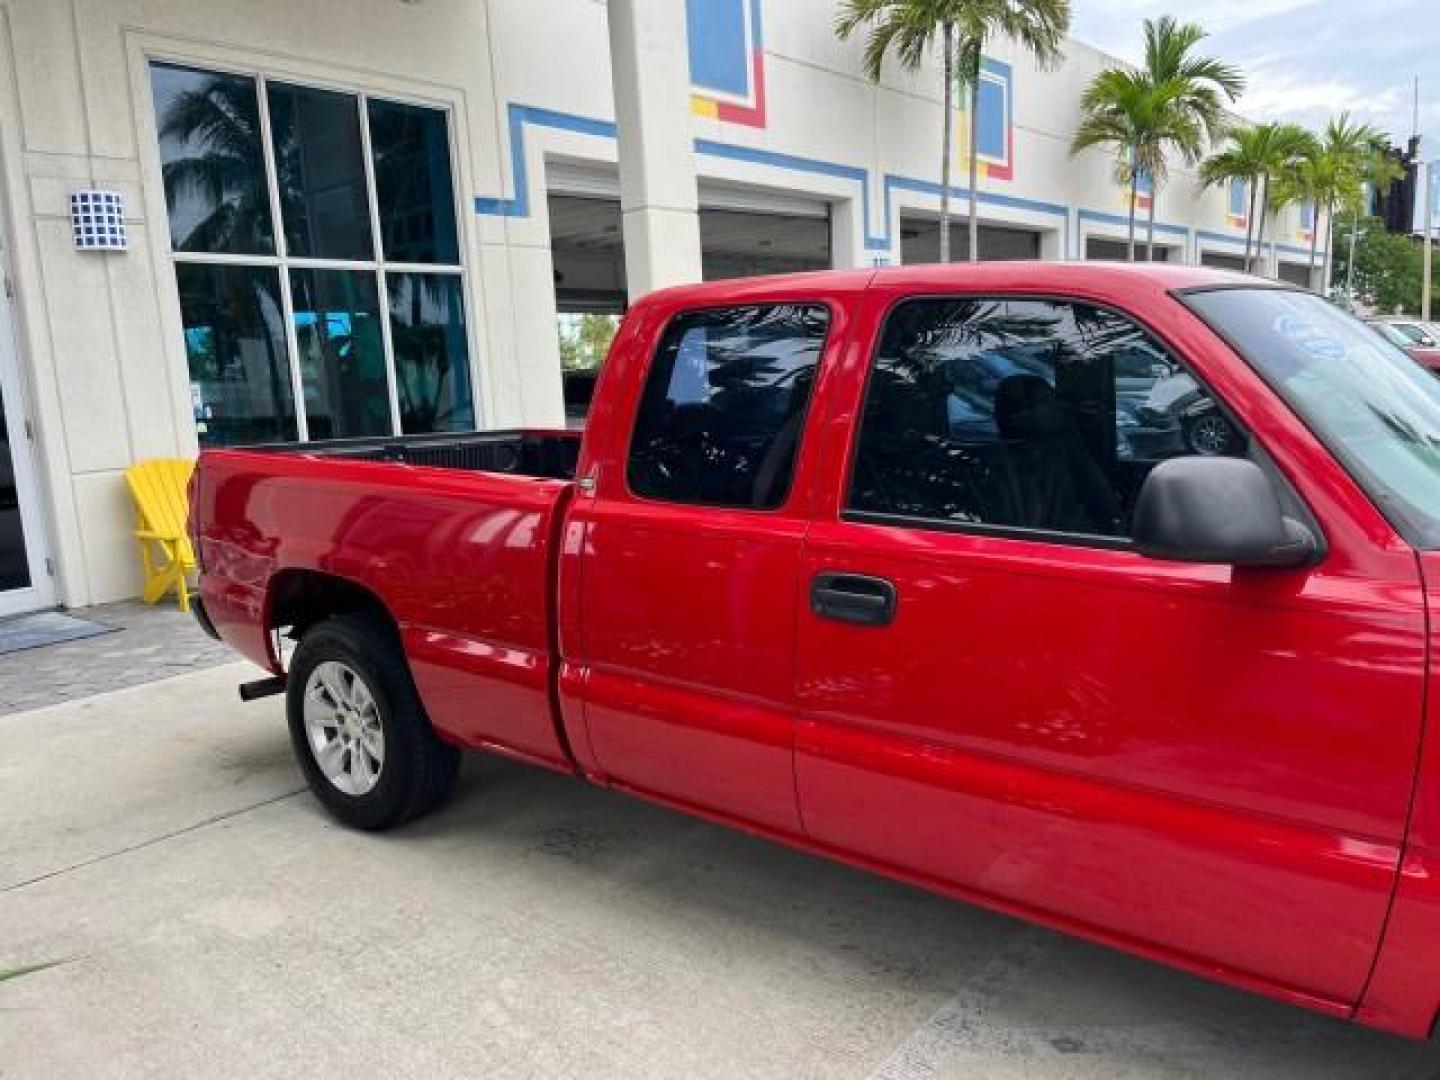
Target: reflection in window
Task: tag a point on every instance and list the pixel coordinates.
(723, 406)
(432, 357)
(321, 172)
(218, 190)
(235, 347)
(413, 184)
(342, 355)
(211, 161)
(1028, 414)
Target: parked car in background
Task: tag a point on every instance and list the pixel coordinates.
(1424, 334)
(1426, 356)
(944, 571)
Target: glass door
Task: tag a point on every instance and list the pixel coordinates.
(25, 583)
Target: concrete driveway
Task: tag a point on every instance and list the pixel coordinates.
(205, 919)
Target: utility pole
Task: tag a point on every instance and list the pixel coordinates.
(1350, 262)
(1424, 193)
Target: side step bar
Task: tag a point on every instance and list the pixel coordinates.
(253, 691)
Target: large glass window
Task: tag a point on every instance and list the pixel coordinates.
(723, 406)
(427, 324)
(342, 353)
(320, 167)
(212, 161)
(412, 177)
(235, 344)
(1024, 414)
(317, 254)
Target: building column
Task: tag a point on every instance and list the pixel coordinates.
(650, 71)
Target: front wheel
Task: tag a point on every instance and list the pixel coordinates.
(359, 730)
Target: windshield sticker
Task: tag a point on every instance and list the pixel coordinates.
(1309, 339)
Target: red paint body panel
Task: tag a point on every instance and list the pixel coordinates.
(1404, 992)
(461, 560)
(1429, 359)
(1211, 767)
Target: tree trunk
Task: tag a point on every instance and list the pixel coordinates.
(1150, 225)
(1130, 229)
(1250, 219)
(974, 232)
(949, 124)
(1314, 241)
(1328, 275)
(1350, 257)
(1260, 227)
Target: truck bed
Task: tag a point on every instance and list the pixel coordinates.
(452, 535)
(540, 453)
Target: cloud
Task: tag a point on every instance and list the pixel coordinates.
(1305, 59)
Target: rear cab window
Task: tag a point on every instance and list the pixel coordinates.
(724, 405)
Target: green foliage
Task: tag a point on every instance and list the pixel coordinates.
(1172, 105)
(1388, 272)
(6, 974)
(908, 29)
(1265, 156)
(584, 340)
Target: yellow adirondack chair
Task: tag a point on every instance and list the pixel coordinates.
(158, 486)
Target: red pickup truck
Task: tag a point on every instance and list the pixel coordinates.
(1103, 595)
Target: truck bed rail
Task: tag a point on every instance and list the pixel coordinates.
(550, 454)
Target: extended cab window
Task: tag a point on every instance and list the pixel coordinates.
(722, 409)
(1024, 414)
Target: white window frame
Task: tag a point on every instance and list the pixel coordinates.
(283, 262)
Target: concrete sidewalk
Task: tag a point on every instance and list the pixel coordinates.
(208, 921)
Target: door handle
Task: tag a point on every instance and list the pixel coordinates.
(853, 598)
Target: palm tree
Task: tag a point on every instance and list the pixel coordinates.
(217, 126)
(1316, 175)
(1191, 89)
(1347, 157)
(1290, 183)
(1174, 103)
(910, 28)
(1256, 154)
(1118, 109)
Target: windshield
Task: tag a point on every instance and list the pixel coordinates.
(1375, 409)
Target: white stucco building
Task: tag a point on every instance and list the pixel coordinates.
(376, 209)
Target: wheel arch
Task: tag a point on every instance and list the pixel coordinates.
(301, 598)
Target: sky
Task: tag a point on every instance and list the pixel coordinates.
(1304, 59)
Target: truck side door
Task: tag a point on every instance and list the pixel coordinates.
(1210, 764)
(689, 556)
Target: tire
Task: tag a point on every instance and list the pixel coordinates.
(1209, 435)
(412, 771)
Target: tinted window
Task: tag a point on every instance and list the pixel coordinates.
(211, 161)
(721, 413)
(432, 359)
(371, 336)
(235, 346)
(413, 184)
(342, 353)
(320, 172)
(1029, 414)
(1375, 408)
